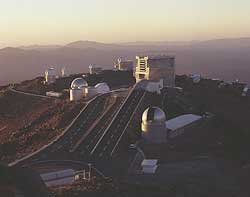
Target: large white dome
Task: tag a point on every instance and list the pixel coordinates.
(153, 114)
(102, 88)
(78, 83)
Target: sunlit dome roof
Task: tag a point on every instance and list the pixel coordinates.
(153, 114)
(78, 83)
(102, 88)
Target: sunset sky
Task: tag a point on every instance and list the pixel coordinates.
(25, 22)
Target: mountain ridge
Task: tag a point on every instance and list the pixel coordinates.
(89, 44)
(223, 58)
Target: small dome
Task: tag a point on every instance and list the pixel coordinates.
(102, 88)
(153, 114)
(78, 83)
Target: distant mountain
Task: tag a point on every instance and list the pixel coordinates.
(224, 44)
(221, 58)
(91, 44)
(40, 47)
(159, 43)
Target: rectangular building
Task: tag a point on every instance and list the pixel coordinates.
(149, 166)
(176, 126)
(124, 65)
(156, 68)
(93, 69)
(54, 94)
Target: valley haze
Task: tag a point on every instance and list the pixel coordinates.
(227, 59)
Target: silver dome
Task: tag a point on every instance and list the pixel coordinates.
(102, 88)
(78, 83)
(153, 114)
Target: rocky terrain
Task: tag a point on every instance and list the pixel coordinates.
(29, 122)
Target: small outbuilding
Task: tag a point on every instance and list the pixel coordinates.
(149, 166)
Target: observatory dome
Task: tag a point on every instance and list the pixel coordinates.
(153, 125)
(78, 83)
(153, 114)
(102, 88)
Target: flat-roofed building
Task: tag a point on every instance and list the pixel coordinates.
(156, 130)
(93, 69)
(54, 94)
(176, 126)
(156, 68)
(149, 166)
(124, 65)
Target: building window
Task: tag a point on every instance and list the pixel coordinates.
(141, 76)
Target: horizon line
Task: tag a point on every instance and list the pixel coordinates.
(123, 42)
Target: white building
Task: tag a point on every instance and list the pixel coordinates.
(124, 65)
(153, 125)
(78, 89)
(93, 69)
(155, 128)
(149, 166)
(156, 68)
(59, 178)
(50, 76)
(177, 126)
(54, 94)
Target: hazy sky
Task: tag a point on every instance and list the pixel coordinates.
(62, 21)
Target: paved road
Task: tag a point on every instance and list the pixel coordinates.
(30, 94)
(107, 143)
(85, 148)
(105, 135)
(60, 148)
(101, 154)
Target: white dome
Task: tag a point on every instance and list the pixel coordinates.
(78, 83)
(102, 88)
(153, 114)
